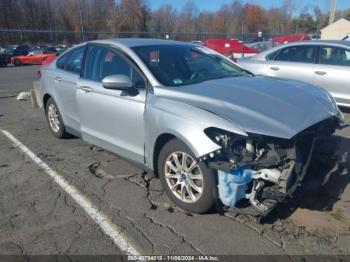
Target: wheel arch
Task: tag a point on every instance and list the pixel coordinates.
(158, 145)
(163, 138)
(46, 97)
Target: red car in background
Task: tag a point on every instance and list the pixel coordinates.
(291, 38)
(230, 48)
(33, 58)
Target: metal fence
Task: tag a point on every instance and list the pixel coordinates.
(18, 36)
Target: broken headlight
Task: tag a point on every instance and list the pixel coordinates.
(237, 148)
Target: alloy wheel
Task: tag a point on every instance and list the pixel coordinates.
(184, 177)
(54, 119)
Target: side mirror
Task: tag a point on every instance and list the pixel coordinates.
(119, 82)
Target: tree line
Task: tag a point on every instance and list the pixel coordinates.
(129, 16)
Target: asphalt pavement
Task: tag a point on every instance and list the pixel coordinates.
(40, 216)
(16, 79)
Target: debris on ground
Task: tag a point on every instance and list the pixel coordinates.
(97, 171)
(23, 96)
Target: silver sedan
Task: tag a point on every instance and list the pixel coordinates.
(325, 64)
(212, 132)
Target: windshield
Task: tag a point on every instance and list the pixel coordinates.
(177, 65)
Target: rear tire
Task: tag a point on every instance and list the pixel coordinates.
(54, 119)
(187, 175)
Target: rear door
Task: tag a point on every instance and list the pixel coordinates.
(293, 62)
(332, 72)
(65, 79)
(112, 119)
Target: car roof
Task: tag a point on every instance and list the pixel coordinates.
(132, 42)
(321, 42)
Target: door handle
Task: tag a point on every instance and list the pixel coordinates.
(274, 68)
(58, 79)
(321, 73)
(86, 89)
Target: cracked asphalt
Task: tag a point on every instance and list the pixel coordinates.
(38, 217)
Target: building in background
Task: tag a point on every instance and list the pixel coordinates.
(336, 31)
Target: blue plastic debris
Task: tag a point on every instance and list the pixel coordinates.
(232, 186)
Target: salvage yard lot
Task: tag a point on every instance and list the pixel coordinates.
(38, 217)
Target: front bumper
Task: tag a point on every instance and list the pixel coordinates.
(264, 193)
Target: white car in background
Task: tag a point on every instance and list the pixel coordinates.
(325, 64)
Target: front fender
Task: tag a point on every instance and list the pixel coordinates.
(186, 122)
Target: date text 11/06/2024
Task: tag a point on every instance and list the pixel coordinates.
(173, 258)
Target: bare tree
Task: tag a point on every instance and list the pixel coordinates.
(187, 18)
(101, 16)
(165, 19)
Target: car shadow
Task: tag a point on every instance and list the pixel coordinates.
(324, 182)
(71, 136)
(344, 109)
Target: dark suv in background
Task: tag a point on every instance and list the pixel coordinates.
(10, 51)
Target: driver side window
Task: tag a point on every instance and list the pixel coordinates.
(102, 61)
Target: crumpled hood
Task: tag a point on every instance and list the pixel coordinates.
(261, 105)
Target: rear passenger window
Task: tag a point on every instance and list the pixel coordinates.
(74, 60)
(299, 53)
(61, 61)
(334, 56)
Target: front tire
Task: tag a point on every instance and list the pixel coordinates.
(189, 183)
(54, 119)
(17, 63)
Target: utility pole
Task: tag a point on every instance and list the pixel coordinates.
(332, 11)
(81, 25)
(203, 29)
(50, 17)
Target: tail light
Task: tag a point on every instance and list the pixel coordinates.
(45, 62)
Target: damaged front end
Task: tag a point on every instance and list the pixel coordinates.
(257, 172)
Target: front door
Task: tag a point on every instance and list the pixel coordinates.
(112, 119)
(294, 62)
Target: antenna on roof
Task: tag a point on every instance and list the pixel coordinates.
(332, 11)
